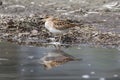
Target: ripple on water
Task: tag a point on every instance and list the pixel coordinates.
(22, 70)
(102, 78)
(92, 72)
(89, 65)
(31, 70)
(3, 59)
(115, 75)
(86, 76)
(30, 57)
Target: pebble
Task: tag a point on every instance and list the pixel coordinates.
(34, 32)
(32, 2)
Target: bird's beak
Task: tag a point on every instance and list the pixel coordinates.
(43, 19)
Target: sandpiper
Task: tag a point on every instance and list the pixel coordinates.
(57, 26)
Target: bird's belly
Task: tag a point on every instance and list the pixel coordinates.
(53, 30)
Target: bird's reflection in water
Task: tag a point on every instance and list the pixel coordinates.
(56, 58)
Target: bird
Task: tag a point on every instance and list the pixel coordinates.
(57, 26)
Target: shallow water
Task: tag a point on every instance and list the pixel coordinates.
(20, 63)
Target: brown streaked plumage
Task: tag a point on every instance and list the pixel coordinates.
(63, 24)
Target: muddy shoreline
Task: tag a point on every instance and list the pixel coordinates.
(21, 24)
(30, 31)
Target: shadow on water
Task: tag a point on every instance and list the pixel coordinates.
(40, 63)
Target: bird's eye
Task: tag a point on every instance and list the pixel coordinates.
(46, 16)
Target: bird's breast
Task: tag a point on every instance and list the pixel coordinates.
(50, 26)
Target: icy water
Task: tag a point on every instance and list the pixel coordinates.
(20, 63)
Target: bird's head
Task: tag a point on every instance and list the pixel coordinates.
(47, 17)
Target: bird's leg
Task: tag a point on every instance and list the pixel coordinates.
(58, 44)
(58, 47)
(60, 38)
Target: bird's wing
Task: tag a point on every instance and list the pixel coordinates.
(63, 24)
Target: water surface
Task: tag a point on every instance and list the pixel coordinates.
(21, 63)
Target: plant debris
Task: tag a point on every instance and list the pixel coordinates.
(29, 30)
